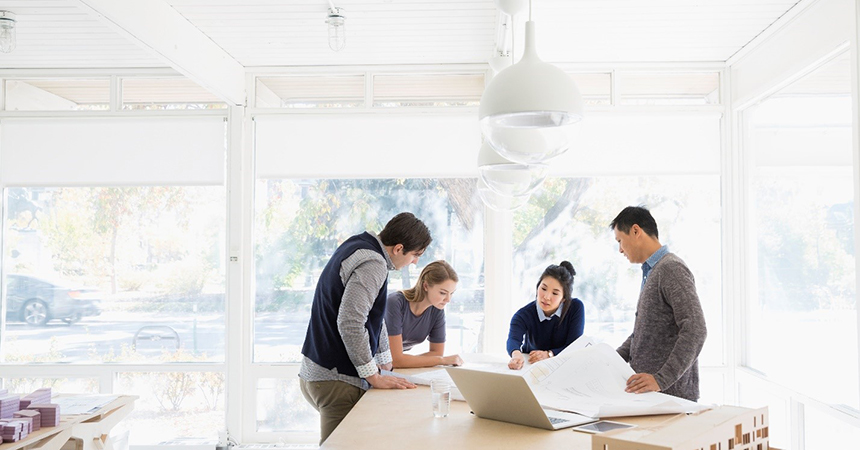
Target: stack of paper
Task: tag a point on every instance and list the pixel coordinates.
(591, 381)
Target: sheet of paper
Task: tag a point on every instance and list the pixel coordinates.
(591, 381)
(82, 404)
(580, 343)
(424, 379)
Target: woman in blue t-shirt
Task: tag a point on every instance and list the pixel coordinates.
(416, 314)
(546, 326)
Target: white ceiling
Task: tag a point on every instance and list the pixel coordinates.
(257, 33)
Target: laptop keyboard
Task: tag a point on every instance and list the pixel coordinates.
(556, 420)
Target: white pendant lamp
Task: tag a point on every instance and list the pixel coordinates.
(508, 178)
(499, 202)
(528, 111)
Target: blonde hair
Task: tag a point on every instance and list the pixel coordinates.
(434, 273)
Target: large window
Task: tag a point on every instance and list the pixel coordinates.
(803, 296)
(130, 275)
(300, 223)
(114, 264)
(114, 274)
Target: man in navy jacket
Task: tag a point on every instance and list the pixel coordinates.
(346, 344)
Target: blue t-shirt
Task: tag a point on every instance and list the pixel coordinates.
(414, 329)
(529, 333)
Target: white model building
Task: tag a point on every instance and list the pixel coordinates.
(721, 428)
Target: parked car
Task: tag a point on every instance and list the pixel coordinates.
(36, 301)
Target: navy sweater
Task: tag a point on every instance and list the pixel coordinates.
(529, 333)
(323, 343)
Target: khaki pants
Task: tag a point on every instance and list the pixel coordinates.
(333, 400)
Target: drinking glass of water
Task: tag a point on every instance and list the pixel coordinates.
(440, 392)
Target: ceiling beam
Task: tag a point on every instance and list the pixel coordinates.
(158, 27)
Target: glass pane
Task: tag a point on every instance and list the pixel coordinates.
(167, 94)
(64, 385)
(752, 396)
(596, 88)
(310, 91)
(802, 213)
(427, 90)
(301, 222)
(282, 408)
(115, 274)
(68, 94)
(711, 388)
(665, 88)
(825, 432)
(172, 405)
(568, 219)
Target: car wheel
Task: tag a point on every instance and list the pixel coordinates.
(74, 318)
(35, 312)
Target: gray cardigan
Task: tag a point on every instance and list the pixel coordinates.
(669, 330)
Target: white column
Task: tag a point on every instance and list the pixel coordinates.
(855, 147)
(239, 258)
(498, 277)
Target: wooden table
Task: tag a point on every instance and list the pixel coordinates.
(86, 431)
(403, 419)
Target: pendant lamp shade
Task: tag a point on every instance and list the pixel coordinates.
(499, 202)
(508, 178)
(528, 110)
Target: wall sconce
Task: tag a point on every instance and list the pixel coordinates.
(336, 28)
(7, 31)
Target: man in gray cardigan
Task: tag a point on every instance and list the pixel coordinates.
(669, 329)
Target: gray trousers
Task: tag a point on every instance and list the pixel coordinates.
(333, 400)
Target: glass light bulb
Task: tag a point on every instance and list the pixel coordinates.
(7, 38)
(336, 30)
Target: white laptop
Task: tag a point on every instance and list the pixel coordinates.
(508, 398)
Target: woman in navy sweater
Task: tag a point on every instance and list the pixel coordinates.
(546, 326)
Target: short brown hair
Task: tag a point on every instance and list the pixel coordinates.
(407, 230)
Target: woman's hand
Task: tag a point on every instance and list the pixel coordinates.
(517, 360)
(538, 355)
(452, 360)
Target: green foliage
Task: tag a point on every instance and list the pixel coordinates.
(285, 301)
(185, 277)
(531, 215)
(176, 304)
(304, 221)
(805, 250)
(211, 386)
(130, 238)
(134, 281)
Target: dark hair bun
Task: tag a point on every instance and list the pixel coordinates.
(569, 267)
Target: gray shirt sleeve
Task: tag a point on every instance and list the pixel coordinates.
(624, 350)
(437, 333)
(679, 291)
(363, 274)
(394, 314)
(383, 351)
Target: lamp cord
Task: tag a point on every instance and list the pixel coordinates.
(513, 39)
